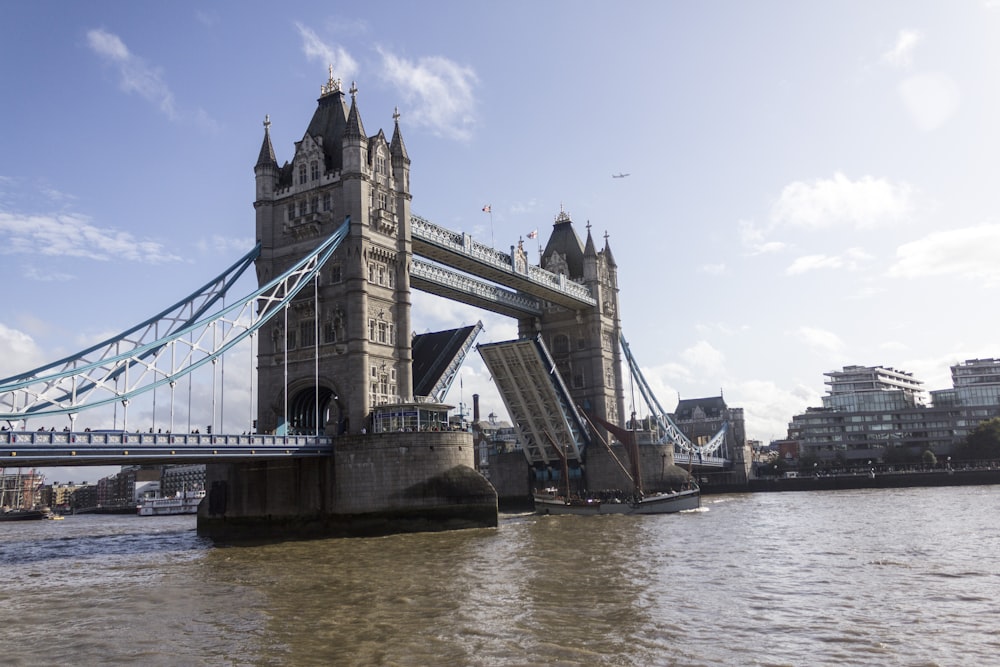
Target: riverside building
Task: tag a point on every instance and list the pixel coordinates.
(875, 413)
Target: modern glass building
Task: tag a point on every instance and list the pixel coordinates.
(879, 413)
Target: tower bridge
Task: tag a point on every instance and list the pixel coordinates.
(350, 430)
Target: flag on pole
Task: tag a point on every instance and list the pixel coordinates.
(486, 209)
(533, 234)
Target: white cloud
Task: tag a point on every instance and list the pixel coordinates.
(68, 235)
(930, 99)
(901, 54)
(136, 75)
(20, 352)
(850, 259)
(713, 269)
(217, 244)
(753, 237)
(767, 407)
(867, 202)
(706, 358)
(439, 92)
(315, 49)
(970, 252)
(819, 340)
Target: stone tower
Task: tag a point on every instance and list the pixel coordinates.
(584, 343)
(344, 344)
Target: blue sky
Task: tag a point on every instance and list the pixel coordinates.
(811, 184)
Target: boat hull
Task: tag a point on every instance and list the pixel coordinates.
(664, 503)
(25, 515)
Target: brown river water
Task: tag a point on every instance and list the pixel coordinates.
(867, 577)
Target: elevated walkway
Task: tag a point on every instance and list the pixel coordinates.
(458, 250)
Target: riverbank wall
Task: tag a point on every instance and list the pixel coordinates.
(881, 480)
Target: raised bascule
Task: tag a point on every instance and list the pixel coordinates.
(355, 398)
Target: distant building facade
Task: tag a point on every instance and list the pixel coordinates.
(879, 413)
(701, 418)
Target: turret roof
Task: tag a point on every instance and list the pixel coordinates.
(354, 126)
(397, 147)
(565, 241)
(266, 156)
(329, 121)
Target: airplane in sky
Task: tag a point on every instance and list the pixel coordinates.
(619, 175)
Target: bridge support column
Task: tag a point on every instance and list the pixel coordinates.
(372, 485)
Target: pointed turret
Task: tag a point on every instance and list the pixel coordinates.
(266, 157)
(266, 169)
(355, 128)
(590, 250)
(397, 148)
(590, 271)
(608, 257)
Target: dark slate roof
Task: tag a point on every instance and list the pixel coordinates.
(608, 257)
(565, 241)
(432, 354)
(355, 128)
(266, 156)
(711, 406)
(330, 121)
(398, 147)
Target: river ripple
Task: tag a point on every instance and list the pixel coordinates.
(867, 577)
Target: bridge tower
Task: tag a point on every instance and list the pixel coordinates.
(584, 343)
(343, 345)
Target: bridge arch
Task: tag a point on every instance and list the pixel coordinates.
(302, 406)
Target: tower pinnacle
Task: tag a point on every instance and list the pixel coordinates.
(331, 86)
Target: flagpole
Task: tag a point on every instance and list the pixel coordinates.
(489, 209)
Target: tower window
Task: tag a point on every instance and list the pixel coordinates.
(307, 333)
(327, 202)
(314, 171)
(302, 175)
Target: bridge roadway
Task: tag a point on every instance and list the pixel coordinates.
(36, 449)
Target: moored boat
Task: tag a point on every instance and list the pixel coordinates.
(26, 515)
(184, 502)
(550, 501)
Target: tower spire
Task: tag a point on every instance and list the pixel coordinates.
(266, 156)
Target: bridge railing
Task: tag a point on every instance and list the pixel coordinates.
(683, 459)
(122, 437)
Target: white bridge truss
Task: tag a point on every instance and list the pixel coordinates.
(162, 349)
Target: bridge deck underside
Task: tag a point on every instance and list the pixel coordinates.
(450, 284)
(528, 389)
(477, 267)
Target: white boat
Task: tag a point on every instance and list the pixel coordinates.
(184, 502)
(551, 501)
